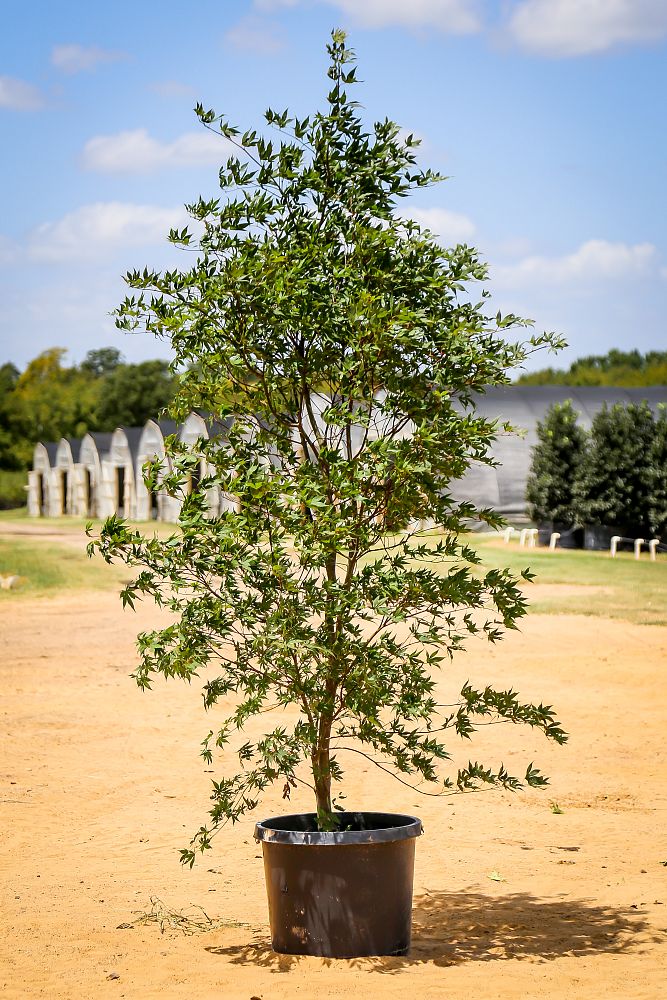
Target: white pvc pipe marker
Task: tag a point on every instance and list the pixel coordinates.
(638, 546)
(615, 539)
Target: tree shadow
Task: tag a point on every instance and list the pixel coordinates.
(450, 928)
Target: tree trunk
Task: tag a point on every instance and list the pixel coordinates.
(322, 774)
(322, 783)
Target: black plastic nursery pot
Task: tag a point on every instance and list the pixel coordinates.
(344, 893)
(570, 537)
(597, 537)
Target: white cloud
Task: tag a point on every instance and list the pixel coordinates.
(94, 231)
(273, 4)
(545, 27)
(458, 17)
(17, 95)
(595, 260)
(135, 151)
(8, 250)
(72, 308)
(254, 34)
(580, 27)
(513, 246)
(450, 227)
(80, 58)
(172, 89)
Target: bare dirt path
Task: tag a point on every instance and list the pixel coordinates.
(101, 785)
(44, 533)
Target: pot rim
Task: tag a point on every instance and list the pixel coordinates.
(298, 828)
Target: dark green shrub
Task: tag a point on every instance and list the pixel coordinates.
(556, 458)
(612, 486)
(12, 489)
(657, 471)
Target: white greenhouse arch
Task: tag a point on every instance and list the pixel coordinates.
(66, 477)
(118, 486)
(197, 427)
(153, 505)
(94, 447)
(40, 480)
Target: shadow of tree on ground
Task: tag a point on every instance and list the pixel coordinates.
(450, 928)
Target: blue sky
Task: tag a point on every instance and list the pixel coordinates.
(548, 116)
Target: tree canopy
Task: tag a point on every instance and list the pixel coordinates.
(555, 462)
(615, 484)
(132, 394)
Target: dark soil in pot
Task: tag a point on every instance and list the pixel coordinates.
(344, 893)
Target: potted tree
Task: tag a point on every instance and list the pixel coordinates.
(335, 343)
(556, 458)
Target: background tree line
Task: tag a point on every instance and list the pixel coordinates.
(50, 400)
(621, 368)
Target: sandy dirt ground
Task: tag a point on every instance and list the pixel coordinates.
(101, 785)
